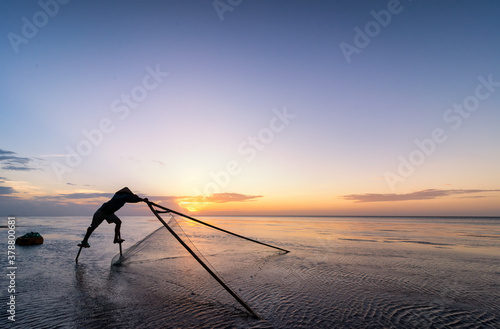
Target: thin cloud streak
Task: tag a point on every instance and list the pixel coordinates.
(427, 194)
(220, 198)
(86, 195)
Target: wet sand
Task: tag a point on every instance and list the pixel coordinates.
(343, 272)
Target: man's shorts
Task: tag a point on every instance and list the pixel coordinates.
(99, 217)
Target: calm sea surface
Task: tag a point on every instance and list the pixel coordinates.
(341, 272)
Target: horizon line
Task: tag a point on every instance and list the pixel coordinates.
(302, 215)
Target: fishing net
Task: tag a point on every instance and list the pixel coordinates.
(162, 260)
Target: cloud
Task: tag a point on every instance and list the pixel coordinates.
(164, 198)
(6, 190)
(79, 197)
(220, 198)
(93, 195)
(69, 204)
(41, 207)
(73, 184)
(159, 162)
(18, 168)
(14, 159)
(55, 155)
(232, 197)
(419, 195)
(10, 161)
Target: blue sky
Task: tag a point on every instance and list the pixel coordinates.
(220, 81)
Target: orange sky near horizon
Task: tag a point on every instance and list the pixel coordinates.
(447, 206)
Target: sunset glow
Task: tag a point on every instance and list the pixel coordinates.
(194, 206)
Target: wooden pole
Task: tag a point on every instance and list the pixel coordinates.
(229, 290)
(214, 227)
(120, 243)
(78, 255)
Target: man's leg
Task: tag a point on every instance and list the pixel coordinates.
(117, 232)
(114, 219)
(96, 221)
(87, 235)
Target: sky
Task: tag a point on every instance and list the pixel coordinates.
(237, 107)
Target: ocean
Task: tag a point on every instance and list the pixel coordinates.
(341, 272)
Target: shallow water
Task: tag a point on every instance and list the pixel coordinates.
(342, 272)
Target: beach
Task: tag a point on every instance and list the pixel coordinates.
(341, 272)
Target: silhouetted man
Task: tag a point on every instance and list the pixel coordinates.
(107, 212)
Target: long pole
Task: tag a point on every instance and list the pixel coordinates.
(215, 227)
(79, 251)
(231, 292)
(120, 238)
